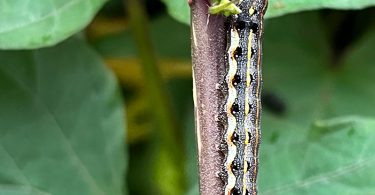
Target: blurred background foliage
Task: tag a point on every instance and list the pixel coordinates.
(318, 120)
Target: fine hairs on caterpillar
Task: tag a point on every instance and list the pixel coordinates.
(241, 108)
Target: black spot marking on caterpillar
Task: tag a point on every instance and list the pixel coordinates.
(235, 138)
(251, 78)
(254, 26)
(248, 166)
(235, 109)
(249, 134)
(236, 165)
(250, 107)
(236, 191)
(240, 24)
(252, 52)
(237, 52)
(236, 80)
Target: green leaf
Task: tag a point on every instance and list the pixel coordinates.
(179, 9)
(61, 123)
(337, 159)
(315, 148)
(282, 7)
(38, 23)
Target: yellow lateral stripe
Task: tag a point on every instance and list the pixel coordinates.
(232, 94)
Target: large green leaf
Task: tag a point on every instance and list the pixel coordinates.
(336, 157)
(315, 148)
(179, 9)
(61, 123)
(26, 24)
(281, 7)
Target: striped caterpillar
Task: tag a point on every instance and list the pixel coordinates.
(242, 107)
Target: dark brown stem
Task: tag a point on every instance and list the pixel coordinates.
(208, 46)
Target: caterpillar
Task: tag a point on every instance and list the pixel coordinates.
(242, 105)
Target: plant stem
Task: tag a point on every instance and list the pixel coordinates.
(169, 163)
(208, 46)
